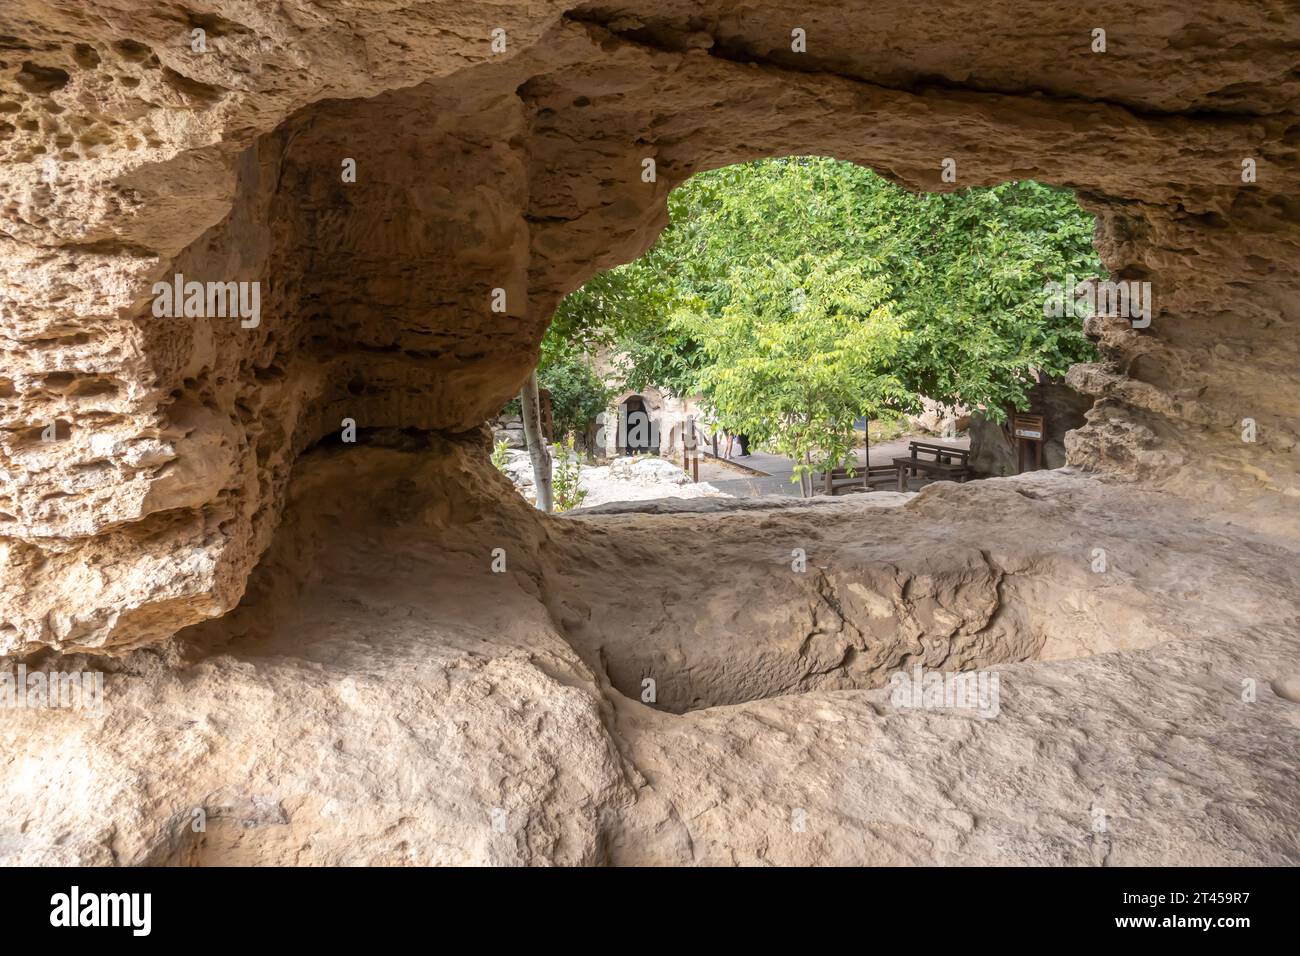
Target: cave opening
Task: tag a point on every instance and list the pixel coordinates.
(789, 297)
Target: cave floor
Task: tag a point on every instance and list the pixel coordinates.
(383, 696)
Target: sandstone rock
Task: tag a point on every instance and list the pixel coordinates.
(1063, 409)
(150, 465)
(376, 651)
(648, 470)
(936, 418)
(660, 470)
(129, 158)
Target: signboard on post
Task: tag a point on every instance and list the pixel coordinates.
(690, 449)
(1028, 430)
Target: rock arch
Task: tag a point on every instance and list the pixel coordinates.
(129, 159)
(506, 179)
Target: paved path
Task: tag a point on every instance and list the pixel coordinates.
(778, 470)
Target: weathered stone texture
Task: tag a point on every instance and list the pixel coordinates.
(128, 158)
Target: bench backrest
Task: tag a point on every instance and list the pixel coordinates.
(918, 448)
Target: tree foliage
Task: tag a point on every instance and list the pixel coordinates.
(578, 394)
(798, 353)
(960, 274)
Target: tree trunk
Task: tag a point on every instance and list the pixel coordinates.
(537, 452)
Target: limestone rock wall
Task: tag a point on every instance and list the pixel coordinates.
(145, 459)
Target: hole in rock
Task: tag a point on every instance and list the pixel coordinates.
(805, 325)
(202, 93)
(60, 431)
(790, 307)
(936, 297)
(86, 56)
(741, 626)
(813, 241)
(135, 51)
(41, 79)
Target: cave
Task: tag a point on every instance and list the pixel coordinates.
(309, 641)
(639, 435)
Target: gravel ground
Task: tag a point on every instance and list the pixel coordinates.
(624, 479)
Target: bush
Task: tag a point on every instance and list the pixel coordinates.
(578, 394)
(566, 487)
(499, 456)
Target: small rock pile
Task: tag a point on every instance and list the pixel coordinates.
(510, 429)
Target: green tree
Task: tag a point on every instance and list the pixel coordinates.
(797, 354)
(569, 493)
(578, 394)
(965, 270)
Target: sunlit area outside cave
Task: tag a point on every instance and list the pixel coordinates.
(805, 327)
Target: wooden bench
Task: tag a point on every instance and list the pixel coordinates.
(943, 462)
(838, 482)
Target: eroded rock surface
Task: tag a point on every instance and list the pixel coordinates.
(128, 157)
(353, 683)
(383, 696)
